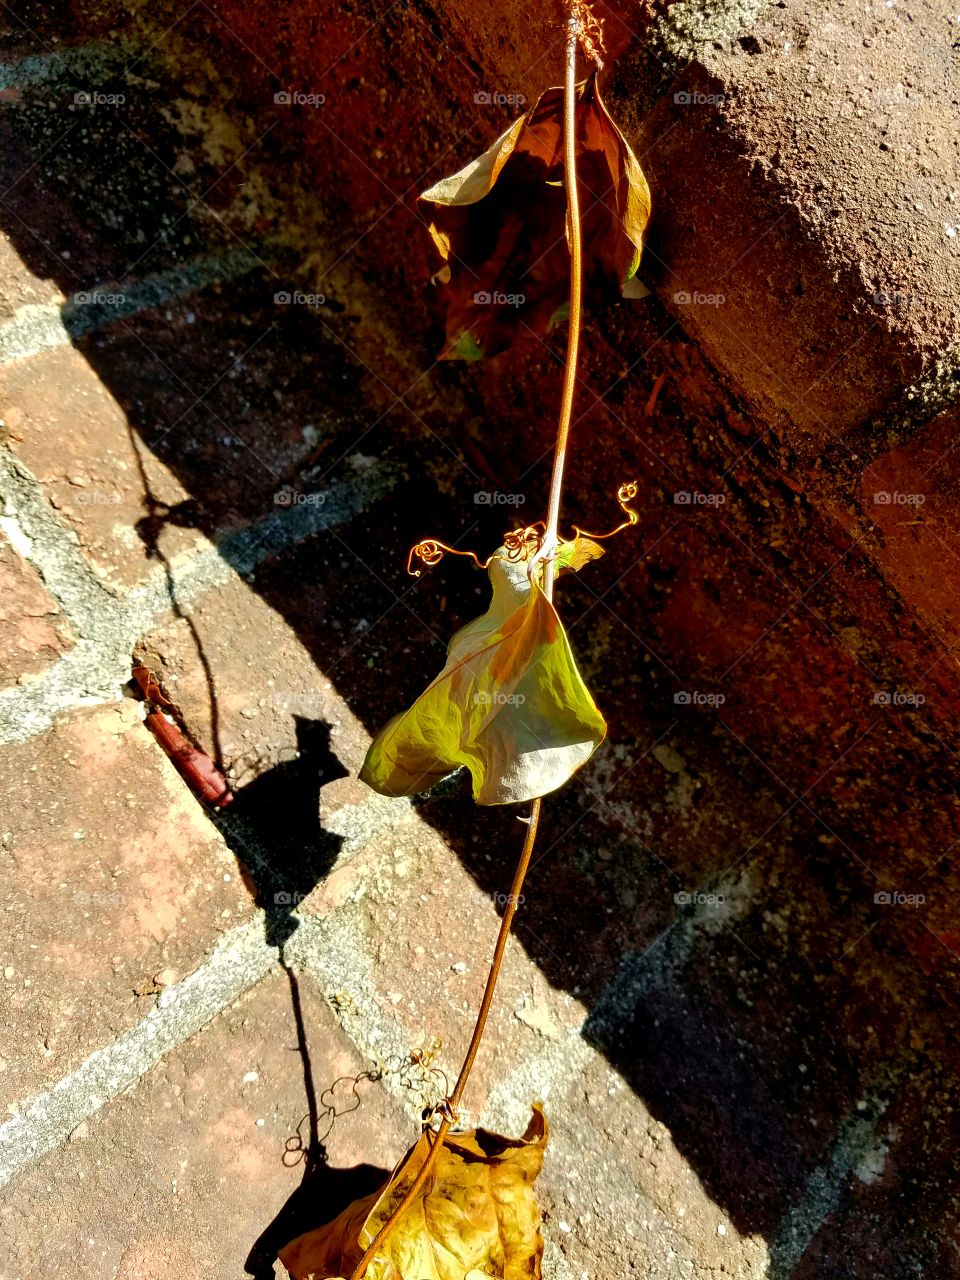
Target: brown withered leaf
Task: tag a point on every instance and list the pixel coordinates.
(500, 226)
(476, 1219)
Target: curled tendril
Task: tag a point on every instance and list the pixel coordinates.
(300, 1146)
(431, 552)
(519, 545)
(625, 494)
(522, 543)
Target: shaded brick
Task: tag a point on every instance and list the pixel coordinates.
(75, 439)
(910, 498)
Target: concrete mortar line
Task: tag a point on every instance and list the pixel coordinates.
(327, 949)
(97, 57)
(239, 961)
(38, 327)
(52, 548)
(549, 1074)
(659, 966)
(855, 1153)
(109, 625)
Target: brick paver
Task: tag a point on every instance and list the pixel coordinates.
(33, 632)
(113, 884)
(184, 1174)
(734, 977)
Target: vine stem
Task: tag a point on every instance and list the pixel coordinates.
(448, 1110)
(550, 536)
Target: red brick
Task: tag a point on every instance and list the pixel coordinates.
(33, 632)
(829, 168)
(911, 497)
(110, 872)
(181, 1175)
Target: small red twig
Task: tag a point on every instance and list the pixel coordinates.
(195, 767)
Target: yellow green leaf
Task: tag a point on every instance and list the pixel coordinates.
(476, 1217)
(510, 703)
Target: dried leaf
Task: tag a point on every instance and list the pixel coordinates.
(500, 226)
(476, 1218)
(510, 703)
